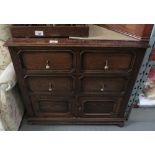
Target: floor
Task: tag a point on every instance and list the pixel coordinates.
(141, 119)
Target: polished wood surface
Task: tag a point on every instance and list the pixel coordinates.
(101, 84)
(87, 82)
(29, 42)
(48, 106)
(48, 60)
(52, 84)
(101, 107)
(49, 30)
(92, 60)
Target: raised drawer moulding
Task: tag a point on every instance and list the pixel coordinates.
(79, 81)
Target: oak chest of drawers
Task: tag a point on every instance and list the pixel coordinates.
(76, 81)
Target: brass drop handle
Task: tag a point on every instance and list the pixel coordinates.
(50, 87)
(106, 65)
(47, 65)
(102, 88)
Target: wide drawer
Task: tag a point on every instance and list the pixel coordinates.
(52, 60)
(102, 84)
(45, 105)
(107, 106)
(107, 60)
(56, 85)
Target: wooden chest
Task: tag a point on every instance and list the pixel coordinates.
(76, 81)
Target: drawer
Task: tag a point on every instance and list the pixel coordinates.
(107, 61)
(54, 61)
(101, 85)
(56, 85)
(51, 106)
(108, 106)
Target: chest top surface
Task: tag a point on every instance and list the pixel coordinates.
(98, 37)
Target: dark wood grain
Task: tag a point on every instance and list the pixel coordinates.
(50, 58)
(102, 107)
(28, 31)
(58, 84)
(27, 42)
(76, 79)
(48, 106)
(101, 84)
(75, 120)
(95, 61)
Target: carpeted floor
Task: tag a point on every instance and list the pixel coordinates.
(141, 119)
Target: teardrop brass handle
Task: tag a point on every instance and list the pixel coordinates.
(102, 88)
(106, 65)
(47, 65)
(50, 87)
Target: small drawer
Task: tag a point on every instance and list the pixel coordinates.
(107, 61)
(56, 85)
(50, 106)
(101, 85)
(54, 61)
(107, 106)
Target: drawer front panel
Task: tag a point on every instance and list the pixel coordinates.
(100, 106)
(103, 84)
(49, 106)
(101, 61)
(55, 61)
(56, 85)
